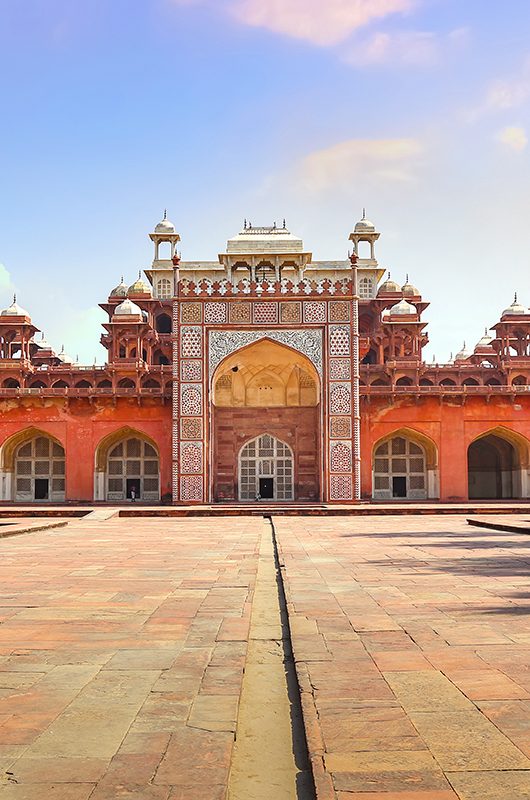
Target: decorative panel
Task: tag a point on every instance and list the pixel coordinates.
(307, 341)
(339, 311)
(191, 428)
(190, 457)
(191, 487)
(340, 457)
(191, 399)
(191, 370)
(191, 342)
(215, 313)
(290, 312)
(190, 312)
(266, 313)
(314, 311)
(339, 340)
(240, 313)
(340, 398)
(341, 487)
(340, 427)
(340, 369)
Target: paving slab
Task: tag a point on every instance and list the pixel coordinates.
(411, 637)
(122, 649)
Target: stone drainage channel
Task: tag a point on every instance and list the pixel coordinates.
(270, 758)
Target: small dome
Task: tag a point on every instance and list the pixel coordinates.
(120, 290)
(127, 308)
(409, 290)
(139, 286)
(42, 344)
(403, 307)
(63, 357)
(462, 354)
(165, 226)
(484, 341)
(389, 287)
(364, 225)
(14, 310)
(515, 308)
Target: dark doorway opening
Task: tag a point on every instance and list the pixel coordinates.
(42, 486)
(399, 486)
(133, 485)
(266, 488)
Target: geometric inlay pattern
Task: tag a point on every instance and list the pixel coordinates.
(314, 311)
(190, 428)
(240, 312)
(339, 369)
(215, 312)
(339, 340)
(191, 342)
(341, 487)
(340, 399)
(339, 311)
(340, 457)
(266, 313)
(191, 487)
(191, 370)
(190, 312)
(191, 457)
(191, 399)
(339, 427)
(290, 312)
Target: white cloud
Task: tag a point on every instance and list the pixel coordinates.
(505, 94)
(6, 284)
(514, 138)
(322, 22)
(382, 160)
(409, 48)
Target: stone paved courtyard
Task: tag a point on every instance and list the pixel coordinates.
(123, 645)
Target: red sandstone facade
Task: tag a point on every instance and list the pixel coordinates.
(234, 379)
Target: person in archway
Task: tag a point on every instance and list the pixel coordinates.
(258, 496)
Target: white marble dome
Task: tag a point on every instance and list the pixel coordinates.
(403, 308)
(139, 286)
(462, 354)
(127, 308)
(515, 308)
(165, 226)
(389, 286)
(409, 290)
(14, 310)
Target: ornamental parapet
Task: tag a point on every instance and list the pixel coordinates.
(282, 288)
(444, 389)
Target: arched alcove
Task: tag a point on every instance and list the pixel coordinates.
(405, 466)
(32, 467)
(127, 462)
(498, 465)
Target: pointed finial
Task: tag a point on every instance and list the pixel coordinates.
(139, 274)
(364, 213)
(274, 226)
(122, 278)
(407, 278)
(77, 359)
(15, 297)
(451, 356)
(165, 213)
(515, 297)
(245, 224)
(433, 359)
(284, 225)
(388, 275)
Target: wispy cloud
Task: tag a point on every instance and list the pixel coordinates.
(514, 138)
(6, 284)
(408, 48)
(322, 22)
(506, 93)
(384, 160)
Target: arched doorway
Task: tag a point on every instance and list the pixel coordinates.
(132, 471)
(39, 471)
(405, 467)
(266, 389)
(496, 464)
(266, 468)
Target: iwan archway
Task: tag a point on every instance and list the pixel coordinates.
(266, 416)
(498, 466)
(127, 467)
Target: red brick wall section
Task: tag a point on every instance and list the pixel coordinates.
(298, 427)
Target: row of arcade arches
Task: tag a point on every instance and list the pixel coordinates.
(127, 466)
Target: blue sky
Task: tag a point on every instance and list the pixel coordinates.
(265, 109)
